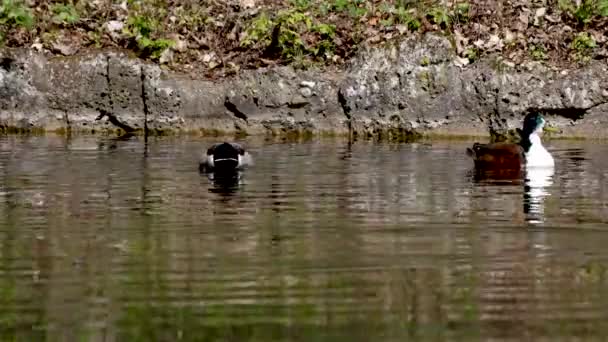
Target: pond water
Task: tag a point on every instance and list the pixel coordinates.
(104, 240)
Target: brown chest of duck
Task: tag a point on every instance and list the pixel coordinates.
(504, 160)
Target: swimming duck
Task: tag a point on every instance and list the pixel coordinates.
(529, 152)
(226, 158)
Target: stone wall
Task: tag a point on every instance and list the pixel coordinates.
(415, 86)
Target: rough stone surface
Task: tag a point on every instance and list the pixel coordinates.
(413, 86)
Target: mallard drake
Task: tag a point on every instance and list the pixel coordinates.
(513, 157)
(224, 158)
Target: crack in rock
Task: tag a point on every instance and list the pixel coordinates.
(572, 113)
(234, 110)
(6, 63)
(114, 120)
(143, 99)
(297, 105)
(344, 104)
(66, 118)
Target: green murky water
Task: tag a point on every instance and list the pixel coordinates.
(320, 241)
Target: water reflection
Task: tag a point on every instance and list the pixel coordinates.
(225, 184)
(537, 182)
(111, 142)
(321, 240)
(534, 182)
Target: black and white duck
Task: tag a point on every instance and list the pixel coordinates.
(225, 159)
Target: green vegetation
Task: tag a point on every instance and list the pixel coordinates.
(461, 12)
(354, 8)
(425, 61)
(408, 18)
(586, 10)
(472, 54)
(65, 14)
(305, 31)
(440, 16)
(15, 13)
(220, 37)
(292, 34)
(259, 31)
(583, 46)
(142, 28)
(537, 52)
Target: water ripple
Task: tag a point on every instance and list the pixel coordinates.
(320, 240)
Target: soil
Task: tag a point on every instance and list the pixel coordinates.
(207, 36)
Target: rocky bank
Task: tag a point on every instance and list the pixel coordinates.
(416, 86)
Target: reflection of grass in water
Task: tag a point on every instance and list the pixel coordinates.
(146, 322)
(309, 303)
(166, 323)
(8, 318)
(15, 290)
(209, 316)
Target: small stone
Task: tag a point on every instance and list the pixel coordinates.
(552, 19)
(114, 25)
(97, 3)
(180, 44)
(37, 46)
(64, 49)
(208, 57)
(401, 28)
(460, 41)
(233, 66)
(523, 20)
(479, 43)
(166, 56)
(374, 39)
(539, 14)
(481, 28)
(299, 101)
(509, 36)
(531, 65)
(114, 28)
(247, 3)
(307, 84)
(494, 43)
(597, 36)
(306, 92)
(605, 93)
(461, 62)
